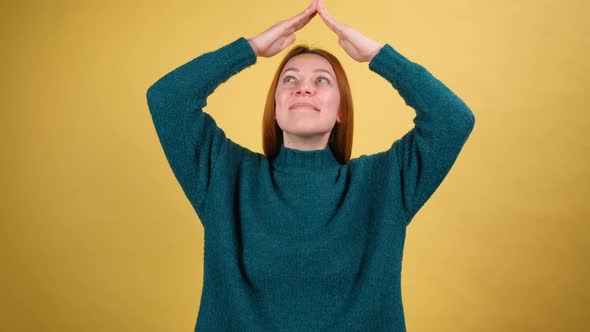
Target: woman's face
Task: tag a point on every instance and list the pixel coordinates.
(307, 98)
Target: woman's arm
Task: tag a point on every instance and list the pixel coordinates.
(192, 142)
(190, 138)
(443, 122)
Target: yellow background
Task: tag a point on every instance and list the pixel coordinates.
(97, 235)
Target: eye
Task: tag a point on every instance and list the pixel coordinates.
(323, 80)
(288, 79)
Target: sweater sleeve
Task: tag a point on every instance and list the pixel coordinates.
(190, 138)
(442, 124)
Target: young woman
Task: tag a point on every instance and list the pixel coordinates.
(303, 238)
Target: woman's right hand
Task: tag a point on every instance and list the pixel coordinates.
(282, 34)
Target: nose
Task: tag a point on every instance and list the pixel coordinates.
(303, 89)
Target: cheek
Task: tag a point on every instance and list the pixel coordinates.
(280, 98)
(332, 101)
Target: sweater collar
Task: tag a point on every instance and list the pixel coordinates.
(289, 158)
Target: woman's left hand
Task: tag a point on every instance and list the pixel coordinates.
(359, 47)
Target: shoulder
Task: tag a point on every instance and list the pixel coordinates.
(376, 169)
(374, 161)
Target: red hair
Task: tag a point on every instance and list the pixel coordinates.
(340, 140)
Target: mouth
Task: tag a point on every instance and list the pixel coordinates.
(304, 107)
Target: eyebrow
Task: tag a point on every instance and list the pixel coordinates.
(315, 70)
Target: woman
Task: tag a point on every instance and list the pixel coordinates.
(304, 238)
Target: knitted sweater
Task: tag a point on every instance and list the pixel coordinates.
(302, 242)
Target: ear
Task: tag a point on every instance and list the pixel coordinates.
(338, 117)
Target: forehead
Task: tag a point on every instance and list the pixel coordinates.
(308, 62)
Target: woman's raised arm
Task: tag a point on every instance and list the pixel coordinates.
(443, 122)
(197, 150)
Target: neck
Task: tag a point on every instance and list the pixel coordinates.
(289, 159)
(306, 143)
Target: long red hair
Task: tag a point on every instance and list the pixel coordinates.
(340, 140)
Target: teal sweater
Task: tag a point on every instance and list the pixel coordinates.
(302, 242)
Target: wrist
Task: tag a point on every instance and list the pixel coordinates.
(253, 47)
(378, 48)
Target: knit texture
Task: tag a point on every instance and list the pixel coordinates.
(302, 242)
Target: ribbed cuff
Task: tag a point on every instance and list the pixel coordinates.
(237, 55)
(388, 61)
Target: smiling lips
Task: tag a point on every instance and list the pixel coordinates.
(304, 106)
